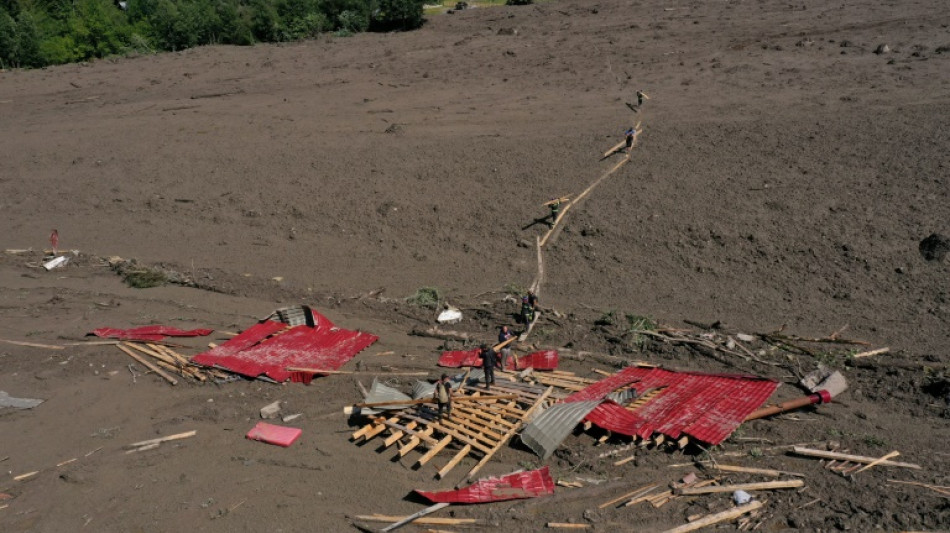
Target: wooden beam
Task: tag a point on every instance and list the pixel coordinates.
(765, 485)
(709, 520)
(421, 521)
(511, 433)
(177, 436)
(410, 518)
(434, 450)
(809, 452)
(430, 400)
(746, 470)
(567, 525)
(455, 460)
(33, 344)
(632, 494)
(876, 462)
(148, 364)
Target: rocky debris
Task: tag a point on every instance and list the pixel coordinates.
(935, 247)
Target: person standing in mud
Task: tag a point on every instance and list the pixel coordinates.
(443, 396)
(555, 206)
(527, 311)
(503, 335)
(640, 96)
(489, 362)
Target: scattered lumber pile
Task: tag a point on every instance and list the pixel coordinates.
(163, 361)
(480, 424)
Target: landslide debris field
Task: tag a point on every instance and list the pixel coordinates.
(787, 171)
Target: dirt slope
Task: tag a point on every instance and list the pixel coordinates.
(785, 175)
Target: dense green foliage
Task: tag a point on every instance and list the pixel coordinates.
(35, 33)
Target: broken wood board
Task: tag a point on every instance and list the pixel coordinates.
(823, 454)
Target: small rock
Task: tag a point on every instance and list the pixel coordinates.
(882, 49)
(270, 410)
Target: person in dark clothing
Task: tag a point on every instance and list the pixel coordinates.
(640, 96)
(555, 206)
(630, 136)
(527, 311)
(443, 396)
(503, 335)
(533, 299)
(489, 362)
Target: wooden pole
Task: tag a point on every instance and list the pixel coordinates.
(410, 518)
(709, 520)
(430, 400)
(878, 461)
(148, 364)
(746, 470)
(765, 485)
(633, 494)
(177, 436)
(808, 452)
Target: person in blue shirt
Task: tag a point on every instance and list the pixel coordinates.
(504, 334)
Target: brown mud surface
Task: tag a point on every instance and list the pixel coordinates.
(785, 176)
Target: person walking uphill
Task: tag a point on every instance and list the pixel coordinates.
(489, 362)
(527, 311)
(443, 396)
(630, 136)
(555, 206)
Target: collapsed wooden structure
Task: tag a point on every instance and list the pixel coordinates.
(476, 428)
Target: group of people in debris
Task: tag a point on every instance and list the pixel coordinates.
(491, 359)
(529, 302)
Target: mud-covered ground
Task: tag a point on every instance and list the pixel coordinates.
(785, 175)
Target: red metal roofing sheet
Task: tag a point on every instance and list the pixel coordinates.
(542, 360)
(707, 407)
(258, 350)
(149, 333)
(530, 484)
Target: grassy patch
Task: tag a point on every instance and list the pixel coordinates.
(144, 279)
(427, 297)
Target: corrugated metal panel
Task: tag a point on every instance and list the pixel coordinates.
(149, 333)
(549, 428)
(379, 392)
(324, 346)
(707, 407)
(519, 485)
(542, 360)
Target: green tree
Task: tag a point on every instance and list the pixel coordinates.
(8, 40)
(398, 15)
(28, 41)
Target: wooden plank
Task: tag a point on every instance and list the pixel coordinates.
(429, 521)
(455, 460)
(430, 400)
(765, 485)
(159, 440)
(428, 510)
(747, 470)
(715, 518)
(413, 442)
(33, 344)
(809, 452)
(511, 433)
(434, 450)
(148, 364)
(362, 431)
(409, 429)
(567, 525)
(632, 494)
(398, 434)
(876, 462)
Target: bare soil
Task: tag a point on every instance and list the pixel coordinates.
(785, 176)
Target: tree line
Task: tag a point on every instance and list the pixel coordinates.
(36, 33)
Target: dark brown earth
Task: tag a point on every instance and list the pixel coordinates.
(785, 175)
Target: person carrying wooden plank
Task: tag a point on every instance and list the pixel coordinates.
(629, 136)
(504, 334)
(640, 96)
(555, 206)
(443, 397)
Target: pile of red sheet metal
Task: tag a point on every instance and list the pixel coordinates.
(707, 407)
(543, 360)
(270, 347)
(519, 485)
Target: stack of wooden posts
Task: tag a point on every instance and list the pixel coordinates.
(159, 359)
(476, 427)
